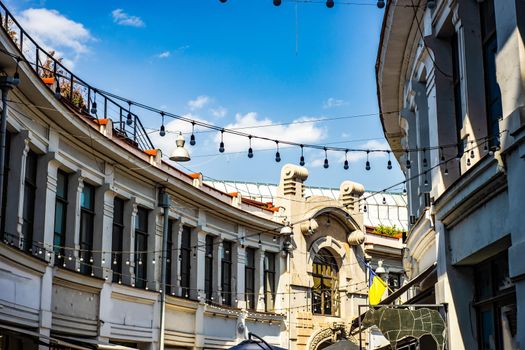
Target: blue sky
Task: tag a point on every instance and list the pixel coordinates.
(238, 64)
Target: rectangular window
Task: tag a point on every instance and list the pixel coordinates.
(87, 223)
(269, 281)
(29, 201)
(495, 304)
(249, 275)
(141, 247)
(492, 90)
(208, 268)
(117, 239)
(59, 236)
(456, 84)
(169, 249)
(226, 273)
(185, 261)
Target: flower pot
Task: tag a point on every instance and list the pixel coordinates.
(48, 81)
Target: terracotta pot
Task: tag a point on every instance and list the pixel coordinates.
(48, 81)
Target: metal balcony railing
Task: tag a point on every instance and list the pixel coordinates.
(72, 90)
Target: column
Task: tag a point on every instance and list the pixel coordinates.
(198, 247)
(103, 229)
(14, 191)
(176, 257)
(74, 191)
(128, 243)
(155, 223)
(217, 271)
(441, 106)
(259, 280)
(239, 259)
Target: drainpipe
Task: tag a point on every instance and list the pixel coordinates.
(6, 84)
(165, 204)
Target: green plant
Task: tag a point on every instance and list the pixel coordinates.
(391, 231)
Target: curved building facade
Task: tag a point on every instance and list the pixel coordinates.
(86, 237)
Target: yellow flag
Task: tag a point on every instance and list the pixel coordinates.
(376, 290)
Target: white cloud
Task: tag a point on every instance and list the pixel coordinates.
(219, 112)
(199, 102)
(122, 18)
(164, 54)
(56, 32)
(332, 102)
(250, 124)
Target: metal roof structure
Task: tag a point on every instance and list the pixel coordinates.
(393, 213)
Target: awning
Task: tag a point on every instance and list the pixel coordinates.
(42, 339)
(392, 297)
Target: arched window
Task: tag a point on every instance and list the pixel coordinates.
(325, 289)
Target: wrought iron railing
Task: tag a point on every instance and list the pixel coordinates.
(70, 88)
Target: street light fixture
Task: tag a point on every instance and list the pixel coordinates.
(180, 154)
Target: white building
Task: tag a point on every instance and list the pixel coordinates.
(81, 248)
(451, 85)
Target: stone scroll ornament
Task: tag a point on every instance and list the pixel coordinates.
(396, 324)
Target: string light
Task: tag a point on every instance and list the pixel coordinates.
(221, 145)
(301, 161)
(129, 119)
(380, 4)
(325, 165)
(250, 150)
(367, 164)
(389, 164)
(192, 137)
(162, 131)
(94, 104)
(277, 2)
(277, 154)
(408, 165)
(346, 166)
(260, 242)
(442, 155)
(330, 3)
(425, 162)
(468, 161)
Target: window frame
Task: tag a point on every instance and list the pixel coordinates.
(208, 268)
(59, 238)
(87, 229)
(185, 261)
(323, 259)
(30, 187)
(249, 282)
(269, 281)
(141, 245)
(117, 240)
(226, 266)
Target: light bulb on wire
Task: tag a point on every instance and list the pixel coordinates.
(301, 161)
(367, 164)
(277, 154)
(250, 150)
(389, 164)
(346, 166)
(221, 145)
(162, 131)
(330, 3)
(129, 119)
(325, 165)
(192, 137)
